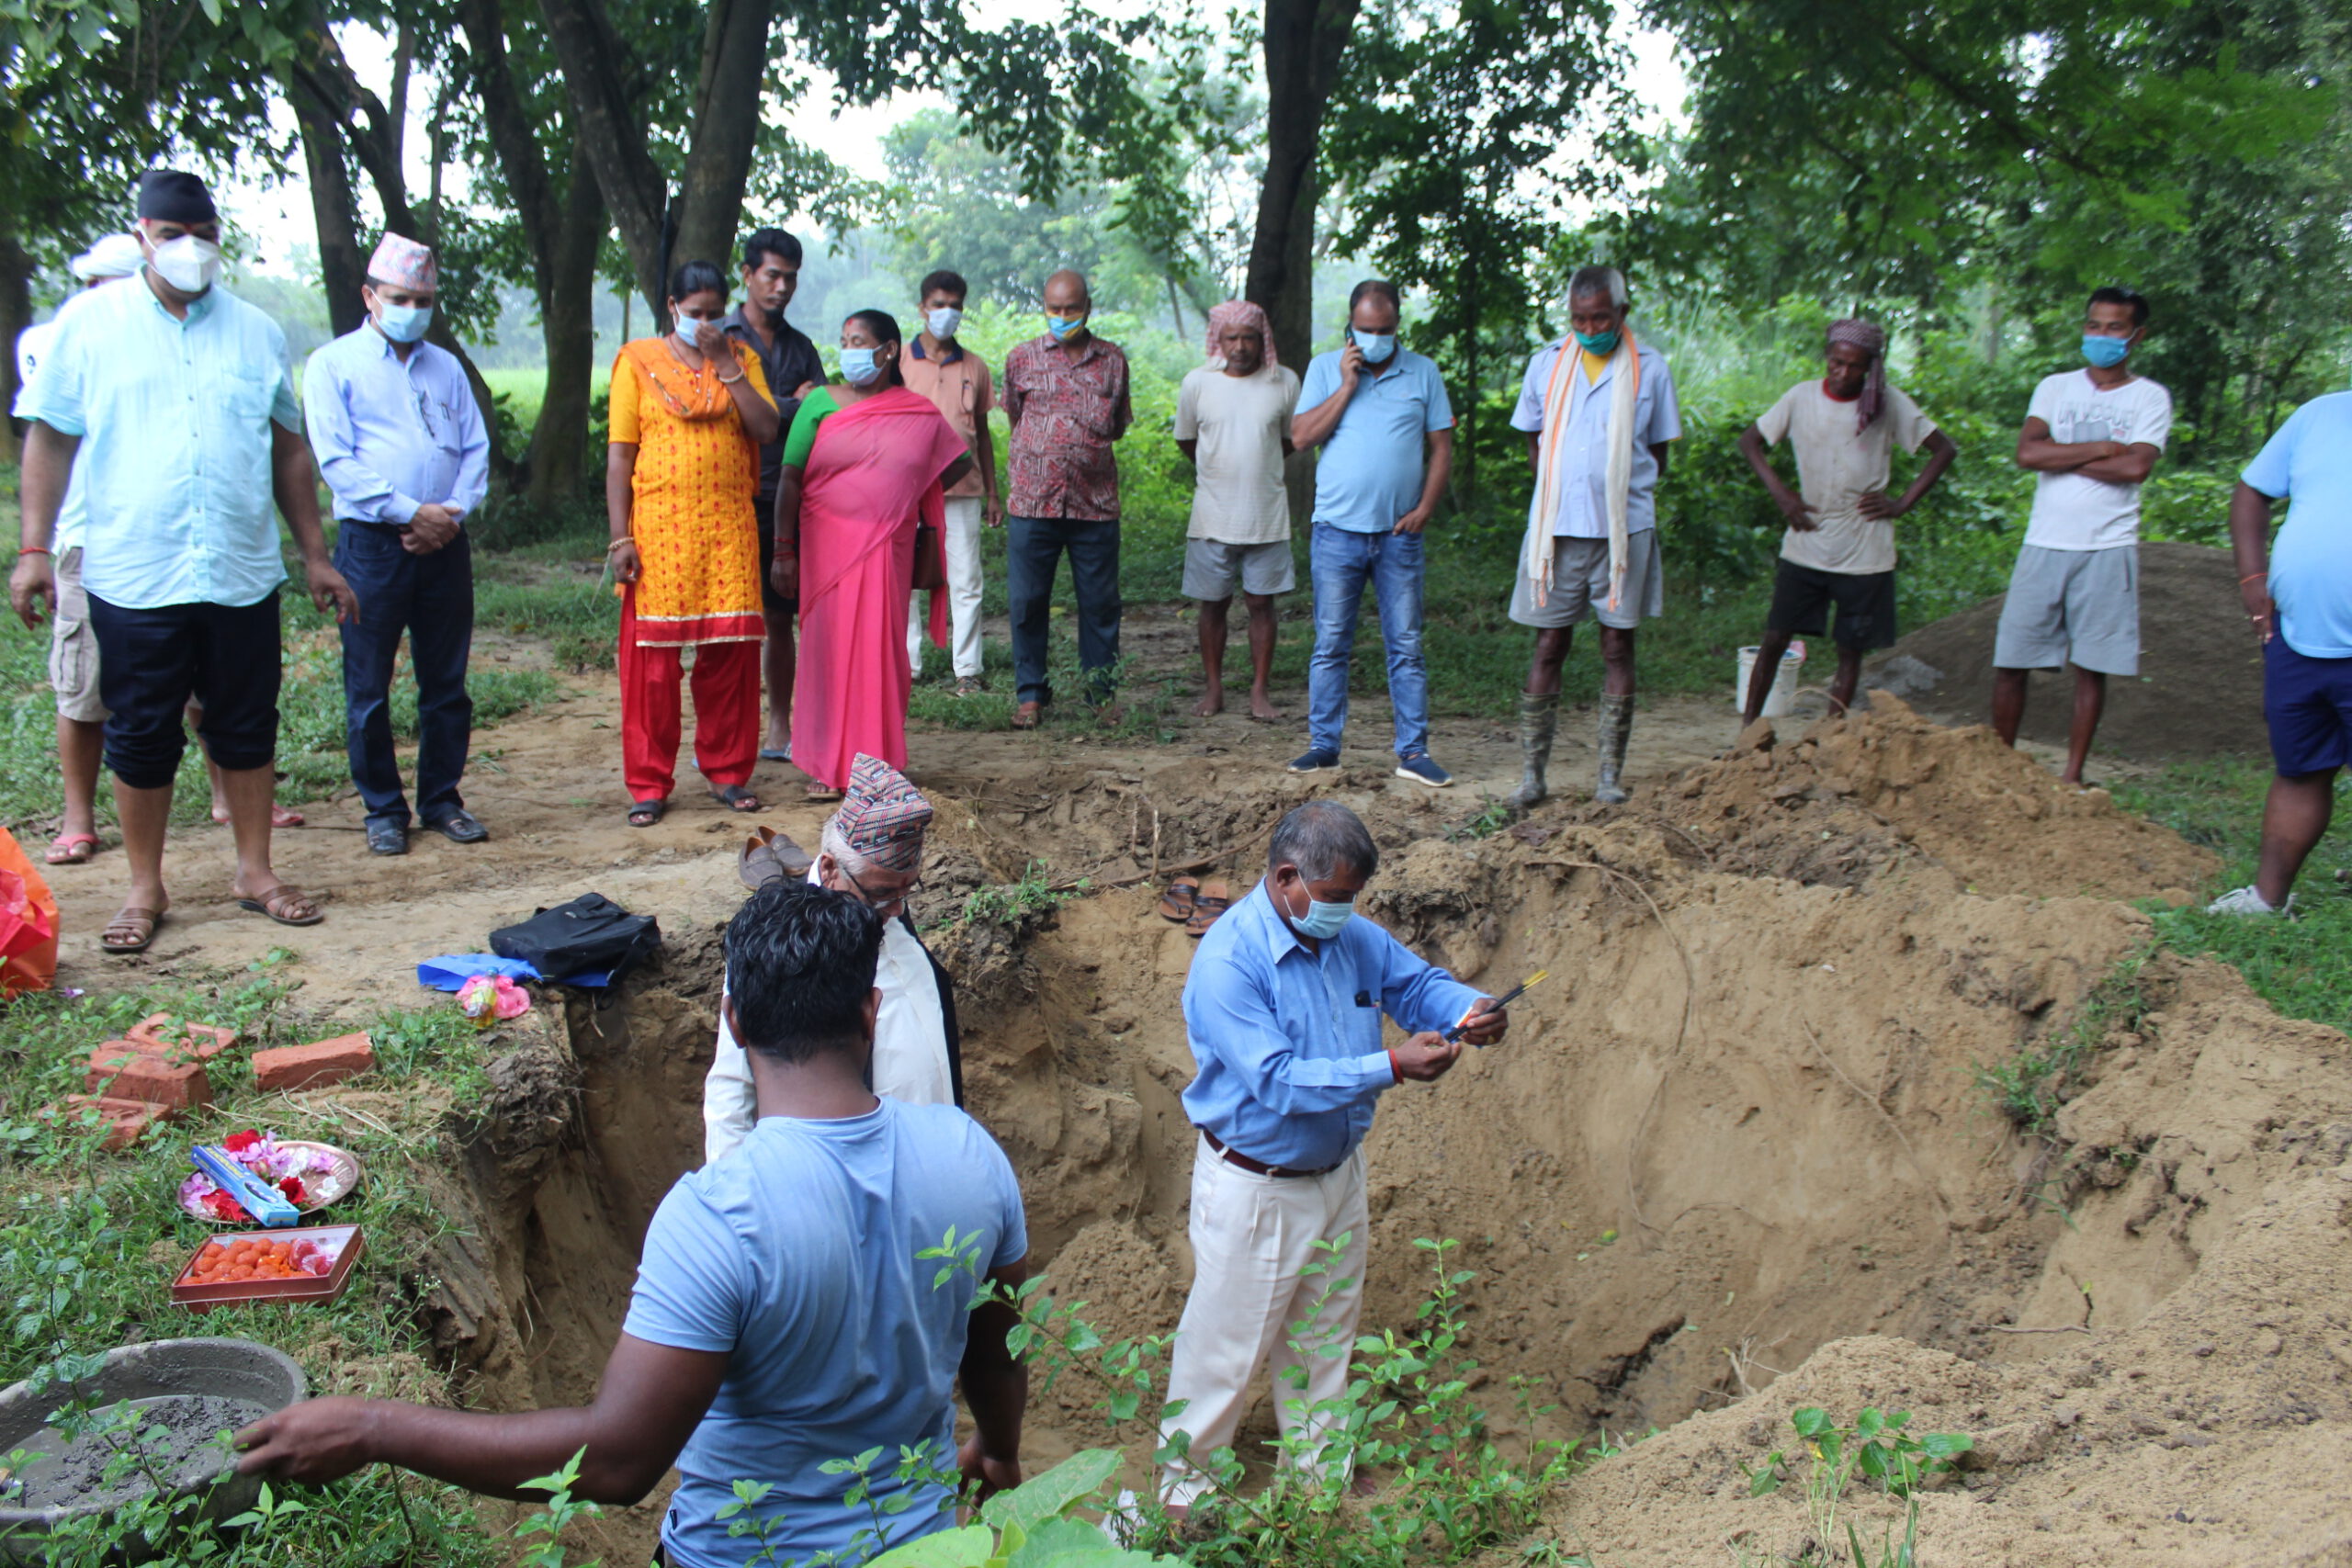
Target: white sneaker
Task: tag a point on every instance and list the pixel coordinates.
(2246, 901)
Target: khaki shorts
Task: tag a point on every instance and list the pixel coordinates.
(1581, 586)
(1212, 568)
(74, 647)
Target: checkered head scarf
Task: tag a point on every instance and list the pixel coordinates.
(883, 817)
(1238, 313)
(1870, 338)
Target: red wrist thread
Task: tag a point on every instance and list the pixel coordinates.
(1395, 1073)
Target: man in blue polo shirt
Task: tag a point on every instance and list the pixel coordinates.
(1383, 417)
(2300, 602)
(1282, 1009)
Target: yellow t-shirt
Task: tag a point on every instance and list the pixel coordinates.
(1594, 364)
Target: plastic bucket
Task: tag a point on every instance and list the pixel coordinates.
(1778, 701)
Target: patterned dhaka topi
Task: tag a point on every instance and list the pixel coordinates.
(1870, 338)
(883, 817)
(401, 263)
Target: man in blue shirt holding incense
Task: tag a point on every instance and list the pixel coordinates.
(1283, 1009)
(400, 442)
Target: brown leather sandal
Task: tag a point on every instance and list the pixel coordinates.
(1176, 904)
(276, 903)
(1212, 900)
(770, 856)
(134, 923)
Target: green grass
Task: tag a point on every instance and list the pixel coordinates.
(2301, 966)
(89, 1241)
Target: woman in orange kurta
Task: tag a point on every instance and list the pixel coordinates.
(689, 413)
(865, 463)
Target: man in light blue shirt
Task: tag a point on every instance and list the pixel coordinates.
(400, 442)
(1282, 1009)
(1386, 425)
(2298, 601)
(1592, 396)
(178, 401)
(782, 1319)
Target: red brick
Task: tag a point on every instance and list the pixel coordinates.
(315, 1065)
(124, 1072)
(201, 1042)
(126, 1121)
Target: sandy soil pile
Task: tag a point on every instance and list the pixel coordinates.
(1851, 795)
(2199, 693)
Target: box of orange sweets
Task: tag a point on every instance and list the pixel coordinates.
(310, 1264)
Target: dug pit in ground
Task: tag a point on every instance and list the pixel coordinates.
(1739, 1128)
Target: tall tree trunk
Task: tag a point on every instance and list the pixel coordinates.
(342, 267)
(718, 156)
(1304, 42)
(568, 323)
(16, 315)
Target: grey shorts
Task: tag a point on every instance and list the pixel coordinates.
(1212, 568)
(1581, 586)
(74, 647)
(2077, 606)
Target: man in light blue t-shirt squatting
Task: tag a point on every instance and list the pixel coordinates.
(782, 1318)
(2298, 598)
(1381, 415)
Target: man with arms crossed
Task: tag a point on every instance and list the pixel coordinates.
(938, 366)
(176, 400)
(781, 1318)
(1233, 421)
(789, 361)
(1387, 426)
(1839, 548)
(2091, 436)
(2300, 602)
(1283, 1008)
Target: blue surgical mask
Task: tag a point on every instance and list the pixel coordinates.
(405, 323)
(687, 327)
(943, 322)
(1603, 345)
(1061, 327)
(1379, 348)
(860, 367)
(1322, 922)
(2104, 352)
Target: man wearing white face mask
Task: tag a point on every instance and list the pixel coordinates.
(956, 380)
(178, 401)
(400, 442)
(1283, 1009)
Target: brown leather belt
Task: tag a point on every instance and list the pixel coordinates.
(1241, 1161)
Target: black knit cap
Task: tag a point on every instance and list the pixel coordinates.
(168, 196)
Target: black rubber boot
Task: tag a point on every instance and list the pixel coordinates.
(1539, 719)
(1616, 728)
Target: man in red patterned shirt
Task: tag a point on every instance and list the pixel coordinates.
(1066, 396)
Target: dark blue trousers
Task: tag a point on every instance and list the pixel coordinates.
(431, 598)
(1034, 548)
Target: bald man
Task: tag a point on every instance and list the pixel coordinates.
(1066, 398)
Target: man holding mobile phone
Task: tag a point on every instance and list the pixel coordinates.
(1387, 426)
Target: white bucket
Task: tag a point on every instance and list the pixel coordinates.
(1783, 693)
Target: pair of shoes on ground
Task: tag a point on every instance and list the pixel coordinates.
(1420, 767)
(460, 827)
(1194, 904)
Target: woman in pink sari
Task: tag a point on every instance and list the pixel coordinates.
(865, 464)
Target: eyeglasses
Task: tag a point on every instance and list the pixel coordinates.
(879, 905)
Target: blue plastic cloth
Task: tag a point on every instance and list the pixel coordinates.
(452, 970)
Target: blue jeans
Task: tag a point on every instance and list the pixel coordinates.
(432, 599)
(1033, 547)
(1343, 560)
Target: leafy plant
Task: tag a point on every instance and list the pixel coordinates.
(2030, 1089)
(1883, 1449)
(1015, 903)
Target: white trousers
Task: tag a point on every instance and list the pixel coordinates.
(1252, 1304)
(963, 543)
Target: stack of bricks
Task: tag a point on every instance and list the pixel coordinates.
(155, 1073)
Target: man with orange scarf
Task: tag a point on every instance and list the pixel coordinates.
(1599, 410)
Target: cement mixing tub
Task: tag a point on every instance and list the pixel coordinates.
(193, 1388)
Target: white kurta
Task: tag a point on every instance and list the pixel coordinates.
(910, 1046)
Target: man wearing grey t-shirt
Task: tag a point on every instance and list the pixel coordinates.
(2092, 436)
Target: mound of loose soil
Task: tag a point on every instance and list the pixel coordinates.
(2198, 691)
(1853, 794)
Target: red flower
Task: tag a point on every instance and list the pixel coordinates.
(238, 1143)
(224, 1207)
(292, 1188)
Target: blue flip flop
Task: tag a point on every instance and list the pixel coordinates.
(777, 754)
